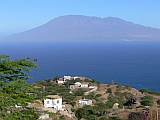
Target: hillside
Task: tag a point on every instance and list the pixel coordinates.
(85, 28)
(111, 101)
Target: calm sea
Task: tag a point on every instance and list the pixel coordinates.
(134, 63)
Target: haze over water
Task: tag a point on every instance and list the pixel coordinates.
(133, 63)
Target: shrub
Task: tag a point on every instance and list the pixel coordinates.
(119, 87)
(109, 90)
(128, 87)
(73, 103)
(79, 92)
(128, 95)
(149, 91)
(98, 95)
(147, 100)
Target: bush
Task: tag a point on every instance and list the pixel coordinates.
(98, 95)
(87, 80)
(109, 90)
(140, 106)
(119, 87)
(73, 103)
(90, 96)
(128, 95)
(143, 90)
(91, 117)
(128, 87)
(147, 100)
(111, 101)
(119, 95)
(79, 92)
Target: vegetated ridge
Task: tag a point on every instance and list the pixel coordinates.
(85, 28)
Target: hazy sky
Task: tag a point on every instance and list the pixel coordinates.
(21, 15)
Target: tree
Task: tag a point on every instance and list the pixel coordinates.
(143, 90)
(101, 108)
(56, 78)
(94, 81)
(13, 87)
(79, 92)
(80, 113)
(147, 100)
(119, 87)
(109, 90)
(128, 87)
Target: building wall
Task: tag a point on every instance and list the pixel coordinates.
(67, 77)
(77, 84)
(60, 82)
(48, 103)
(85, 102)
(53, 103)
(58, 103)
(84, 85)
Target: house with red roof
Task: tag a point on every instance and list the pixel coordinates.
(85, 84)
(53, 101)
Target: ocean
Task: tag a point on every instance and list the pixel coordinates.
(133, 63)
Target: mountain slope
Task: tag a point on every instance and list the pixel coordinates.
(84, 28)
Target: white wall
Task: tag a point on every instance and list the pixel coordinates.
(53, 103)
(84, 85)
(60, 82)
(85, 102)
(67, 77)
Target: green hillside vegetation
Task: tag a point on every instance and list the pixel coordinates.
(15, 91)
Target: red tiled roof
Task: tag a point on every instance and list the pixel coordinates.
(85, 83)
(53, 96)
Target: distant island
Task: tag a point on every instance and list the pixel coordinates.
(85, 28)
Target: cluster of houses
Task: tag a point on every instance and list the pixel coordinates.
(65, 78)
(55, 102)
(76, 84)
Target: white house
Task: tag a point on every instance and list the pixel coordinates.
(77, 84)
(85, 102)
(76, 77)
(67, 78)
(79, 77)
(60, 81)
(85, 84)
(92, 86)
(53, 101)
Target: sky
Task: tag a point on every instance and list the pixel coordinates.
(21, 15)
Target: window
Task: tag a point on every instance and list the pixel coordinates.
(47, 102)
(57, 101)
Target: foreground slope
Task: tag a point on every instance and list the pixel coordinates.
(84, 28)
